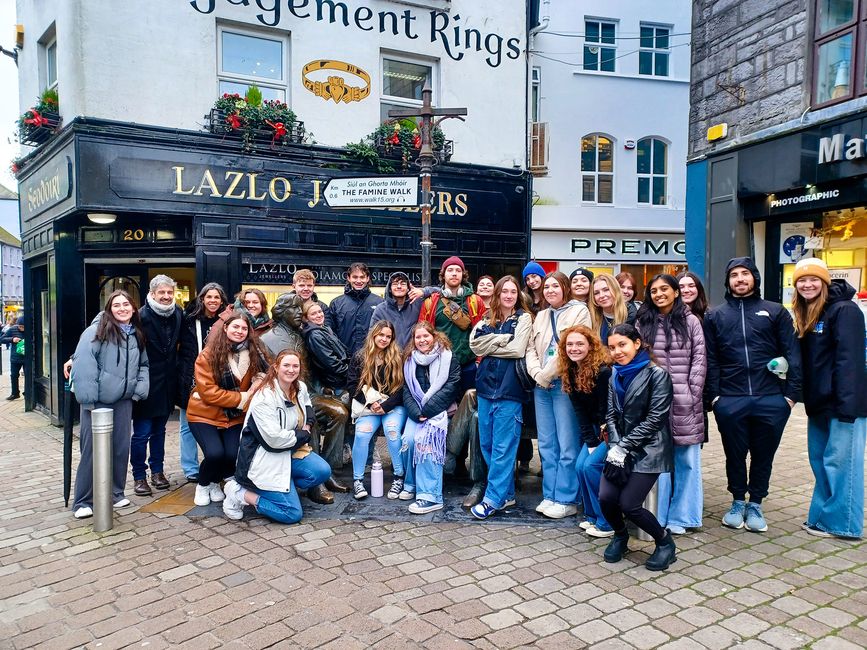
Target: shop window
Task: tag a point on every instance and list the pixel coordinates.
(403, 80)
(597, 169)
(600, 45)
(248, 58)
(652, 169)
(839, 51)
(654, 52)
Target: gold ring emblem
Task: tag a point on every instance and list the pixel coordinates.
(336, 87)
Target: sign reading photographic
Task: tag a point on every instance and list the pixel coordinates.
(373, 192)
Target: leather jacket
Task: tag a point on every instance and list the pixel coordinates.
(329, 362)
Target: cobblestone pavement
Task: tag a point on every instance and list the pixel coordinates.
(158, 581)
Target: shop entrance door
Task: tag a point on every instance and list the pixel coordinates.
(103, 278)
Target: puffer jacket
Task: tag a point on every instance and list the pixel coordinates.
(686, 362)
(106, 372)
(641, 424)
(538, 365)
(328, 359)
(12, 332)
(441, 401)
(350, 316)
(500, 347)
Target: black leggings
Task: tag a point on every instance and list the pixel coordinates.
(220, 451)
(628, 500)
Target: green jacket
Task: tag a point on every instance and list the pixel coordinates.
(432, 312)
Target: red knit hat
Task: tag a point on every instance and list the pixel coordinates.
(454, 260)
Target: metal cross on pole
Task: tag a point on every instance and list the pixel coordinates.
(426, 160)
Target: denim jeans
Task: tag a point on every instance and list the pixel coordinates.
(589, 466)
(499, 433)
(392, 426)
(188, 447)
(285, 507)
(683, 506)
(558, 442)
(147, 432)
(426, 478)
(836, 451)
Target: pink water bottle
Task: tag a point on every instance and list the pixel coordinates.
(376, 477)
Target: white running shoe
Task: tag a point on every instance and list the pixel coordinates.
(216, 493)
(233, 505)
(122, 503)
(544, 505)
(83, 512)
(203, 495)
(561, 510)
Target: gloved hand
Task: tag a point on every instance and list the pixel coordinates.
(616, 455)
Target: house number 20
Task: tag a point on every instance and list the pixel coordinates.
(133, 235)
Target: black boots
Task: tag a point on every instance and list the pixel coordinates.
(663, 556)
(617, 547)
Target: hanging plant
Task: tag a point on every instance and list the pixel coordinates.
(42, 121)
(252, 119)
(397, 139)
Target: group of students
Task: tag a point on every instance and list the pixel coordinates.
(619, 390)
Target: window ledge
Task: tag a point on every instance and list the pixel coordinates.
(619, 75)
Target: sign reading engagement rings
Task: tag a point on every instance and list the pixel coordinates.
(376, 192)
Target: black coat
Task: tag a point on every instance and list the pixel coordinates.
(835, 379)
(163, 335)
(188, 352)
(441, 401)
(8, 335)
(349, 316)
(329, 363)
(354, 379)
(592, 408)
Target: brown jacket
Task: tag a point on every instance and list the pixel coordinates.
(208, 400)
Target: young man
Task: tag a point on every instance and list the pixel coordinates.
(17, 341)
(751, 404)
(305, 286)
(401, 306)
(351, 313)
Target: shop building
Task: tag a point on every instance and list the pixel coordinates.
(609, 107)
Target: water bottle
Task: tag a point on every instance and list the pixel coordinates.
(376, 481)
(779, 366)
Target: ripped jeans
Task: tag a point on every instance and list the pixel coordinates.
(392, 426)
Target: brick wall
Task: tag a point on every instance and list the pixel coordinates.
(748, 67)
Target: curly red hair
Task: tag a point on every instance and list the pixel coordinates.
(581, 377)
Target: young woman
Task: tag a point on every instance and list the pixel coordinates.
(376, 381)
(639, 400)
(585, 374)
(692, 293)
(275, 457)
(628, 287)
(226, 372)
(500, 339)
(329, 361)
(676, 339)
(830, 327)
(485, 289)
(607, 306)
(580, 281)
(110, 370)
(559, 444)
(534, 275)
(255, 304)
(199, 317)
(432, 377)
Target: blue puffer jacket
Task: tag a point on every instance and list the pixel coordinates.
(500, 347)
(350, 316)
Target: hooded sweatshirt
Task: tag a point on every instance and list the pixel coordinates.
(403, 317)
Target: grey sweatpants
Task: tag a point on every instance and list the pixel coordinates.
(120, 437)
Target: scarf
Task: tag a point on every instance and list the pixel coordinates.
(160, 310)
(430, 437)
(127, 328)
(623, 375)
(233, 373)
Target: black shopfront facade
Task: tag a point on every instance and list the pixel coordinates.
(109, 205)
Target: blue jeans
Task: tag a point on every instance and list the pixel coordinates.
(683, 506)
(392, 426)
(836, 451)
(499, 434)
(589, 466)
(188, 447)
(558, 442)
(426, 478)
(147, 431)
(285, 507)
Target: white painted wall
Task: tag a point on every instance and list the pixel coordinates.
(155, 62)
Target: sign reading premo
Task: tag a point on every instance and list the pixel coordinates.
(609, 246)
(373, 192)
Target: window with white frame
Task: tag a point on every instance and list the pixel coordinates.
(51, 64)
(403, 79)
(536, 94)
(249, 58)
(654, 50)
(597, 169)
(600, 44)
(652, 168)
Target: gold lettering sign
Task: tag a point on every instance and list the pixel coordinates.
(336, 87)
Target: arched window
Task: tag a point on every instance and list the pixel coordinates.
(597, 169)
(652, 168)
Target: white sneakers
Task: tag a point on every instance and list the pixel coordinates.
(83, 512)
(560, 510)
(206, 494)
(233, 505)
(216, 493)
(544, 505)
(123, 503)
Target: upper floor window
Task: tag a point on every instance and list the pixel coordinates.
(47, 66)
(51, 64)
(600, 45)
(654, 52)
(247, 58)
(597, 169)
(839, 60)
(403, 80)
(536, 94)
(652, 168)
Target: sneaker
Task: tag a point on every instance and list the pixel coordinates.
(755, 520)
(123, 503)
(83, 512)
(544, 505)
(233, 505)
(422, 507)
(817, 532)
(601, 533)
(677, 530)
(406, 495)
(561, 510)
(358, 490)
(396, 488)
(203, 495)
(586, 524)
(734, 518)
(482, 510)
(216, 493)
(510, 503)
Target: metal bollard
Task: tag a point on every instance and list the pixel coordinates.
(650, 503)
(102, 423)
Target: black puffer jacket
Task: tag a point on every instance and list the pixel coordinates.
(742, 335)
(441, 401)
(592, 408)
(641, 424)
(162, 334)
(350, 316)
(329, 363)
(835, 380)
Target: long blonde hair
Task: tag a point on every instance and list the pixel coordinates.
(389, 358)
(620, 310)
(808, 313)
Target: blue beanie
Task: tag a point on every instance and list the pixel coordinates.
(531, 268)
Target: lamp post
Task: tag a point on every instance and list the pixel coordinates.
(426, 161)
